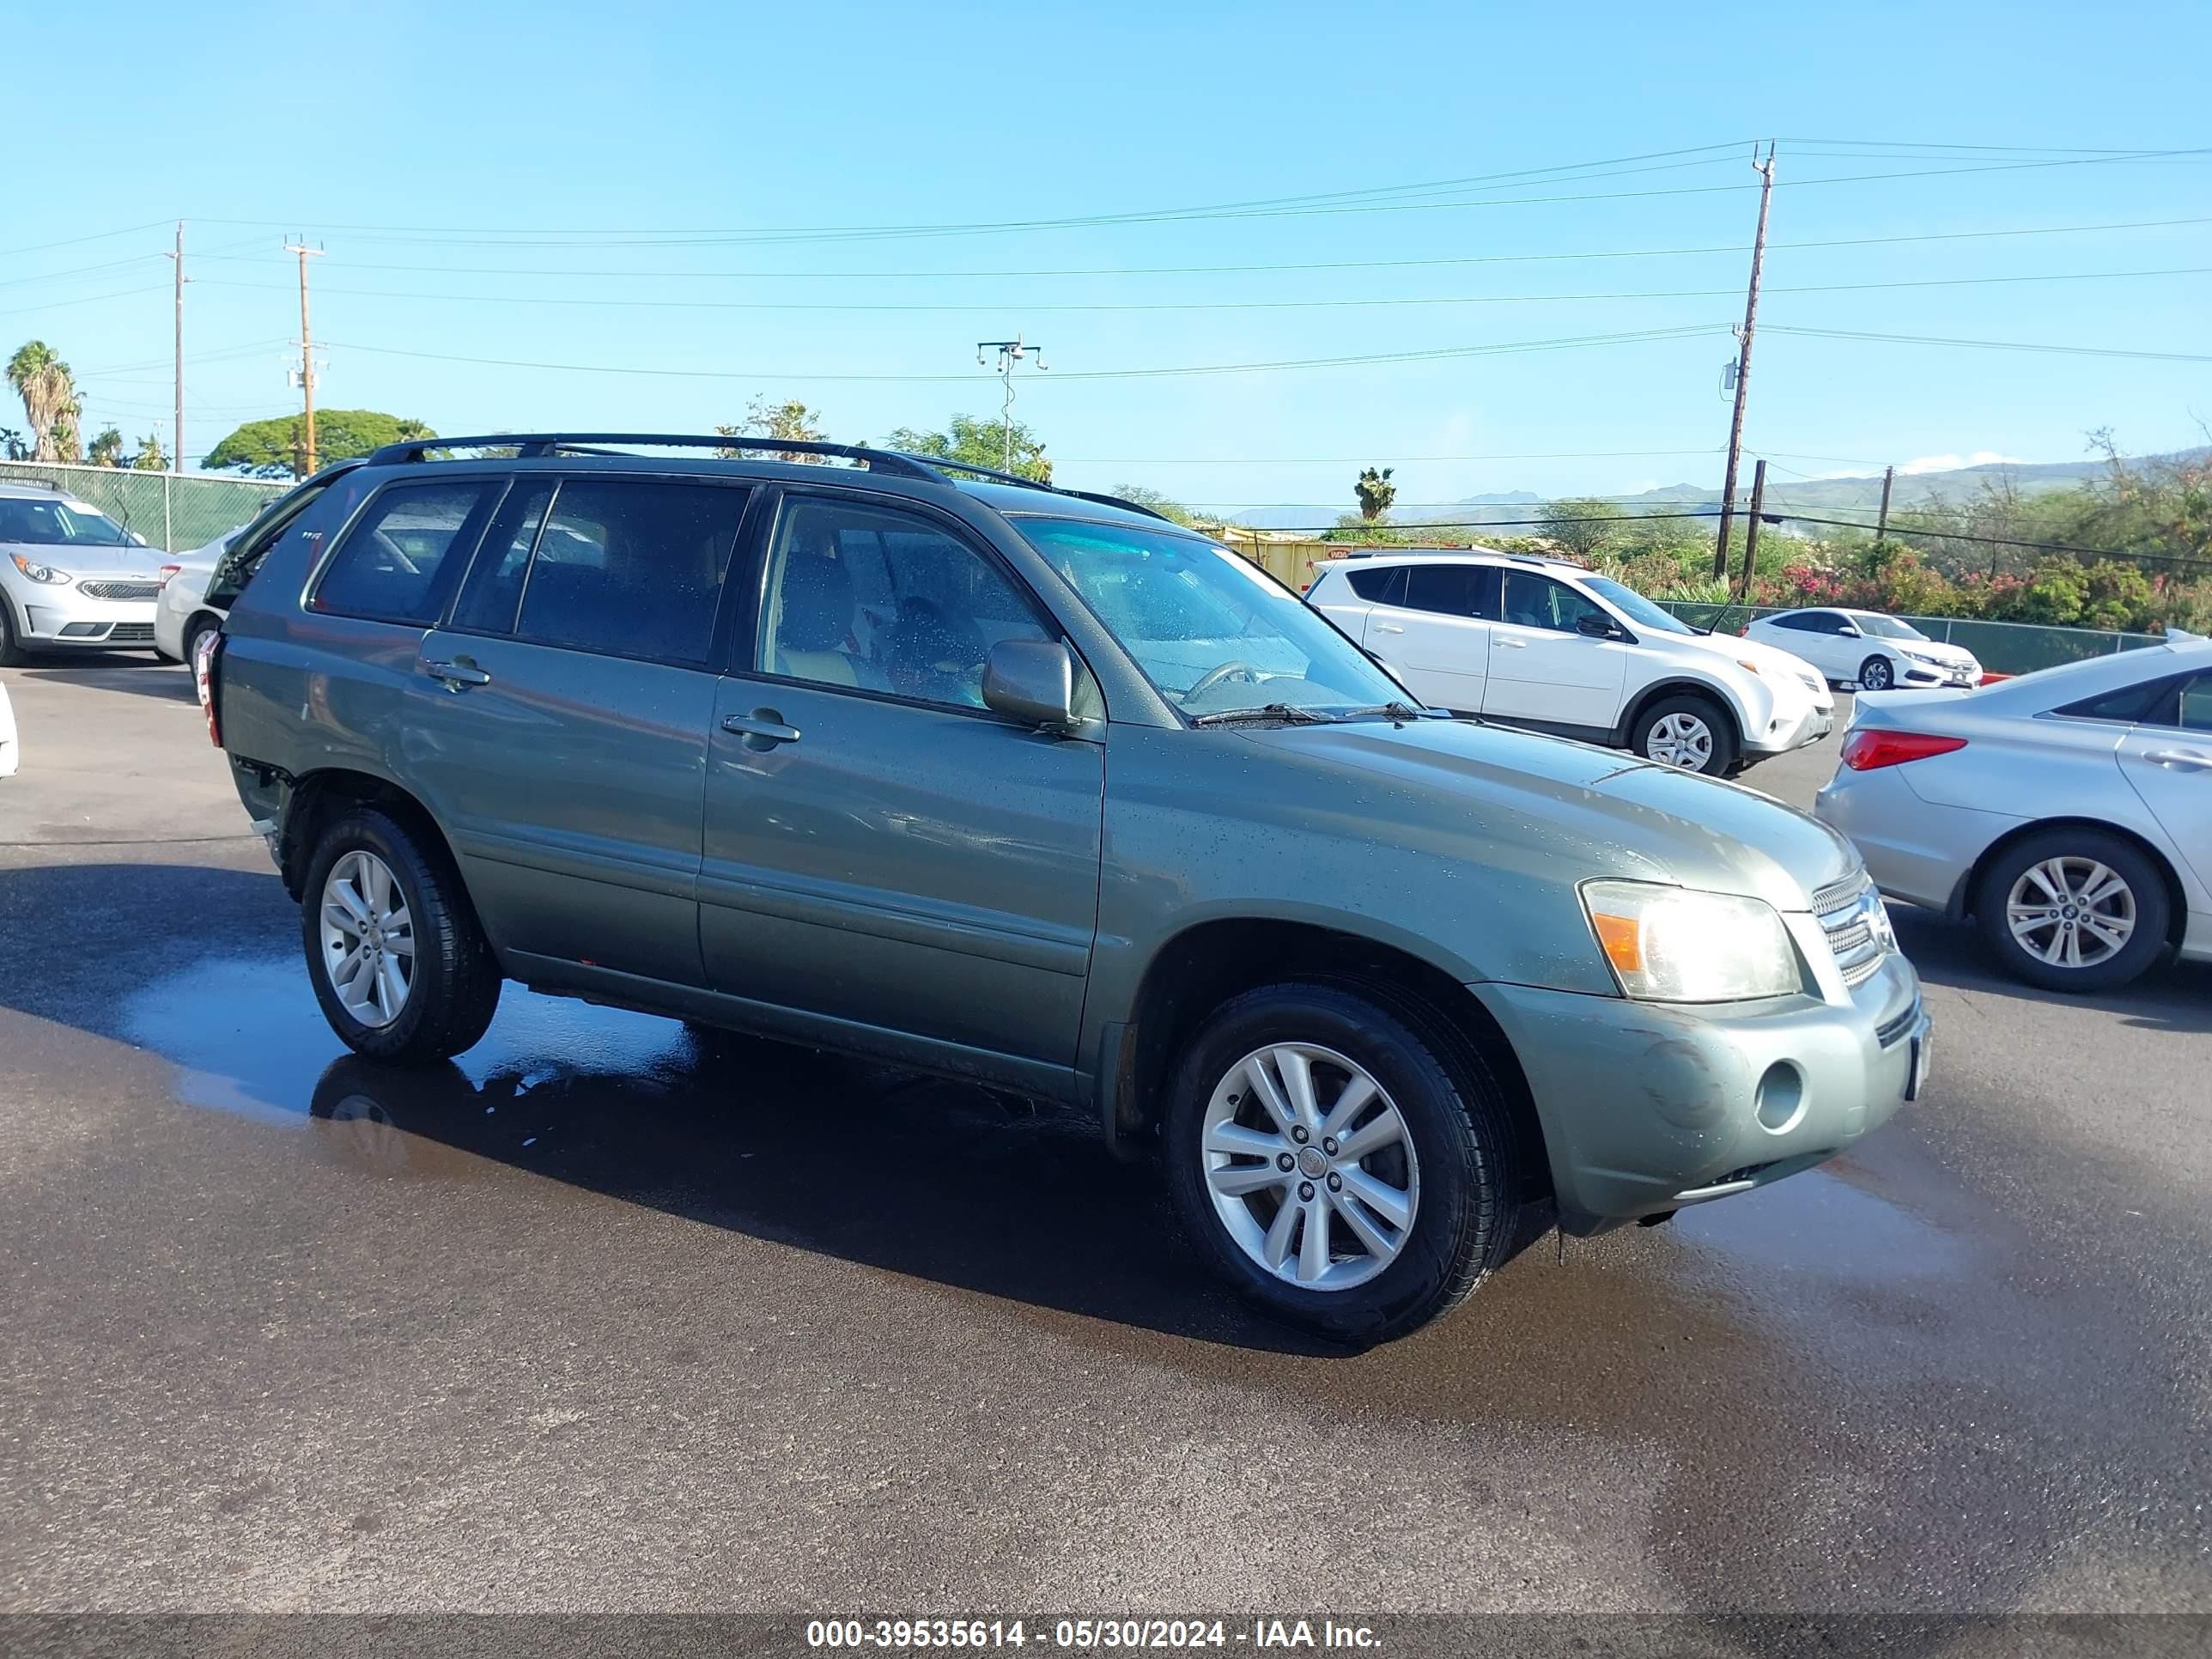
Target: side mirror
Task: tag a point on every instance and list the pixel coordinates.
(1032, 681)
(1596, 627)
(1847, 632)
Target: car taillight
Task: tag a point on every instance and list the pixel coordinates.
(204, 653)
(1865, 751)
(167, 571)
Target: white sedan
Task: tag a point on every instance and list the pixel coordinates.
(1867, 649)
(2068, 812)
(183, 614)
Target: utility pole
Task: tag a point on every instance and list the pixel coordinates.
(307, 354)
(177, 430)
(1882, 527)
(1010, 353)
(1751, 530)
(1765, 170)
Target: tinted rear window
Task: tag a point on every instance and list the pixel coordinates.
(1383, 586)
(631, 568)
(388, 567)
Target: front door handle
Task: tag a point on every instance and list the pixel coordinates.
(1510, 643)
(2186, 760)
(761, 729)
(1389, 627)
(455, 675)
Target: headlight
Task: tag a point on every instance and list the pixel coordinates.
(1673, 944)
(37, 572)
(1920, 656)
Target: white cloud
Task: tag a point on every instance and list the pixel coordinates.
(1952, 463)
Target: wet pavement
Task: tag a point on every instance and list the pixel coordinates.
(608, 1314)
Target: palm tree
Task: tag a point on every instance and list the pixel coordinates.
(1376, 493)
(49, 395)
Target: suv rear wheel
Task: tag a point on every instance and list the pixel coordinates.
(11, 653)
(398, 962)
(1691, 732)
(1335, 1165)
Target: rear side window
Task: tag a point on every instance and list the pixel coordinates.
(1451, 590)
(1384, 586)
(389, 567)
(629, 567)
(1799, 621)
(2130, 704)
(2184, 702)
(2196, 704)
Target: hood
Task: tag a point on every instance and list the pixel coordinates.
(1526, 802)
(1938, 650)
(1777, 666)
(92, 558)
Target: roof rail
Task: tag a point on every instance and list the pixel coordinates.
(946, 463)
(534, 445)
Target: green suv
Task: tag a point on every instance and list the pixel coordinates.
(1033, 787)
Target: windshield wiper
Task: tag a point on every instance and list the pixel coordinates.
(1274, 713)
(1396, 711)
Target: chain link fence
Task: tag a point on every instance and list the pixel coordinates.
(173, 511)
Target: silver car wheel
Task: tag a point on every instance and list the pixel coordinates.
(1681, 739)
(1874, 675)
(368, 939)
(1310, 1167)
(2071, 912)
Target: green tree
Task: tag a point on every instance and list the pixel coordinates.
(1166, 506)
(43, 381)
(107, 448)
(978, 443)
(1583, 526)
(151, 456)
(273, 448)
(791, 419)
(1376, 493)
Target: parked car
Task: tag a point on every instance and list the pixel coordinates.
(1548, 645)
(183, 614)
(1031, 787)
(11, 752)
(2068, 812)
(1867, 649)
(71, 579)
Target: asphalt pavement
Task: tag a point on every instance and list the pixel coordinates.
(605, 1316)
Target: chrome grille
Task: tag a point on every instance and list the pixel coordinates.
(1897, 1025)
(1846, 912)
(120, 590)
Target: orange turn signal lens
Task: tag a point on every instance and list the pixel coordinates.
(1622, 940)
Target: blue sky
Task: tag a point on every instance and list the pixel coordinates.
(486, 178)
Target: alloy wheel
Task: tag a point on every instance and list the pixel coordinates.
(368, 939)
(1310, 1167)
(1681, 739)
(2071, 912)
(1874, 675)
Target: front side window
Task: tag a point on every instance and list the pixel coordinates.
(1533, 601)
(1212, 634)
(1637, 609)
(871, 599)
(58, 523)
(1877, 627)
(626, 567)
(388, 567)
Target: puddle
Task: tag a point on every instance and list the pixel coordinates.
(248, 1038)
(1823, 1222)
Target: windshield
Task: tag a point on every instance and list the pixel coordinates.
(1211, 632)
(1884, 628)
(1634, 606)
(58, 523)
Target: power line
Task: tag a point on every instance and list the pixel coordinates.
(1993, 345)
(74, 241)
(1238, 269)
(1086, 307)
(1430, 355)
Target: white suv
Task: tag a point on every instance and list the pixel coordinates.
(1548, 645)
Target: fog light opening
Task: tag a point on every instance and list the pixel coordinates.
(1781, 1097)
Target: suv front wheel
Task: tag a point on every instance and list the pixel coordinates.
(1336, 1165)
(397, 960)
(1691, 732)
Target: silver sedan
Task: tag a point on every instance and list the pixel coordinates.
(2069, 813)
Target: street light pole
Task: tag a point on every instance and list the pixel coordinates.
(1010, 353)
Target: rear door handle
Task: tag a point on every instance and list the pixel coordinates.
(761, 729)
(455, 675)
(1511, 644)
(2186, 760)
(1389, 627)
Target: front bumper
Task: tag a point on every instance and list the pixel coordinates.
(1648, 1107)
(1787, 732)
(64, 618)
(1921, 675)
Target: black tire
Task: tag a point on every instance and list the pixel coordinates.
(1465, 1218)
(12, 652)
(454, 990)
(1725, 747)
(201, 624)
(1876, 674)
(2146, 898)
